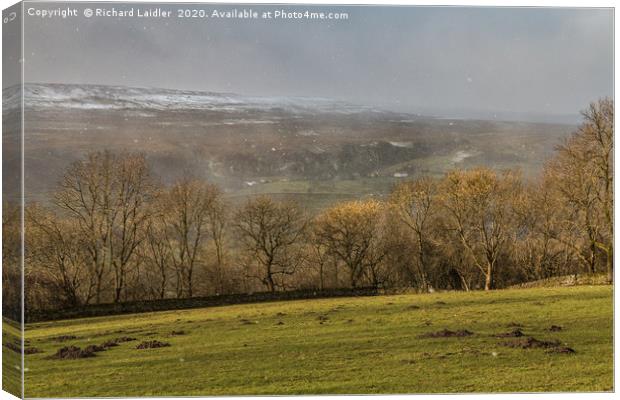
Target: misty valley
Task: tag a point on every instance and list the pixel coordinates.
(313, 150)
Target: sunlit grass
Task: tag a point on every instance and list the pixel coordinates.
(363, 345)
(11, 360)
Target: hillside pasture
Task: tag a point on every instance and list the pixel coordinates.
(430, 343)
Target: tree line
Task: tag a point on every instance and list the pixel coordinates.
(111, 233)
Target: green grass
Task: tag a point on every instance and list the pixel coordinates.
(367, 345)
(11, 360)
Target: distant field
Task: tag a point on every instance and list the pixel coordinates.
(345, 345)
(318, 195)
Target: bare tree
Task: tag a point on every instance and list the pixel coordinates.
(582, 174)
(58, 249)
(218, 221)
(351, 232)
(317, 255)
(107, 196)
(546, 245)
(187, 210)
(480, 213)
(271, 235)
(156, 250)
(414, 204)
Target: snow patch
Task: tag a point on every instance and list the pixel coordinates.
(461, 155)
(99, 97)
(406, 145)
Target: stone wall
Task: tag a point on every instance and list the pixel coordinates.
(96, 310)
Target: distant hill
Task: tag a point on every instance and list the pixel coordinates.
(310, 149)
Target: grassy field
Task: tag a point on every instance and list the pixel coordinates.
(345, 345)
(319, 195)
(11, 360)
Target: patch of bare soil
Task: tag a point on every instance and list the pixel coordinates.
(95, 348)
(63, 338)
(445, 333)
(116, 341)
(124, 339)
(561, 350)
(555, 328)
(413, 307)
(14, 347)
(280, 323)
(152, 344)
(323, 318)
(514, 333)
(531, 343)
(72, 353)
(32, 350)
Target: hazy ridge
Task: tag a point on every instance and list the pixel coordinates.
(310, 149)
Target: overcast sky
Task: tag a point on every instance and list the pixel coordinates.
(547, 61)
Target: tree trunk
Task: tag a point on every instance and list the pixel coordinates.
(270, 284)
(189, 283)
(98, 289)
(353, 279)
(162, 289)
(488, 282)
(120, 275)
(269, 280)
(421, 265)
(179, 284)
(336, 278)
(464, 282)
(423, 280)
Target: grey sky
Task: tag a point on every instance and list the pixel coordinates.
(547, 61)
